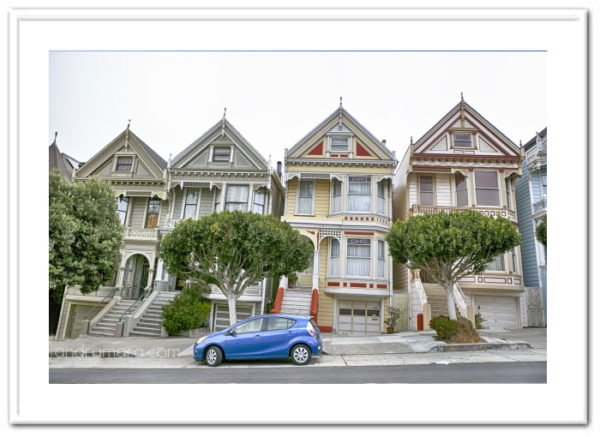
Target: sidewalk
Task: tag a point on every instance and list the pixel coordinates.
(393, 349)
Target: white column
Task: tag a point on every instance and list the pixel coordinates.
(160, 268)
(315, 277)
(221, 207)
(283, 282)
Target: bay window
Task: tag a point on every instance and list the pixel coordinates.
(237, 198)
(336, 188)
(334, 257)
(152, 214)
(426, 190)
(359, 257)
(122, 207)
(381, 197)
(486, 188)
(497, 264)
(260, 196)
(305, 197)
(359, 194)
(380, 259)
(508, 197)
(190, 204)
(462, 196)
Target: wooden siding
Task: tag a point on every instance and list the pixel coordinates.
(207, 199)
(178, 200)
(322, 197)
(165, 208)
(138, 207)
(527, 230)
(323, 263)
(443, 196)
(325, 313)
(291, 197)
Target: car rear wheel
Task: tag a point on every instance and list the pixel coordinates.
(214, 356)
(301, 354)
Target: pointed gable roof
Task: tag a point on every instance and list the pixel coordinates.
(429, 141)
(61, 161)
(341, 114)
(224, 130)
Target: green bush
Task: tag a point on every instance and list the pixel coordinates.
(479, 321)
(443, 327)
(187, 311)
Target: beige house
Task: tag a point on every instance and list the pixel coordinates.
(463, 162)
(339, 196)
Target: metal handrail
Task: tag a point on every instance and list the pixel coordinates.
(111, 295)
(135, 301)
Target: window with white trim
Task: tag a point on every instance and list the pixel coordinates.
(359, 194)
(334, 257)
(122, 207)
(508, 196)
(462, 140)
(544, 183)
(260, 197)
(513, 253)
(190, 203)
(381, 197)
(124, 163)
(497, 264)
(217, 199)
(339, 143)
(426, 190)
(237, 198)
(380, 259)
(336, 188)
(221, 154)
(358, 258)
(462, 195)
(152, 213)
(305, 197)
(486, 188)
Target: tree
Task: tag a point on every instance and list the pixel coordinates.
(85, 235)
(233, 250)
(450, 246)
(540, 231)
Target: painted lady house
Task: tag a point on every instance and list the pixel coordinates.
(138, 177)
(339, 197)
(463, 162)
(222, 171)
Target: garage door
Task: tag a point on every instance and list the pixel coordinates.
(497, 312)
(221, 315)
(359, 317)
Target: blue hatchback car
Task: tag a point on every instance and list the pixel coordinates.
(262, 337)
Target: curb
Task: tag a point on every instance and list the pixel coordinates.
(99, 354)
(479, 347)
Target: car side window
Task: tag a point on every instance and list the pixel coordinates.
(250, 326)
(277, 323)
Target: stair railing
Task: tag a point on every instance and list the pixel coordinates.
(314, 304)
(459, 298)
(420, 290)
(101, 302)
(134, 303)
(278, 301)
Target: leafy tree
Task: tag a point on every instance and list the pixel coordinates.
(233, 250)
(451, 246)
(540, 231)
(85, 235)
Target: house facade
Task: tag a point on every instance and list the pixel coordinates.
(463, 163)
(339, 194)
(531, 207)
(138, 177)
(221, 171)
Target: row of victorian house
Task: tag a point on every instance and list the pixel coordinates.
(341, 188)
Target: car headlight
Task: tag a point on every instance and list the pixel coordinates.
(201, 339)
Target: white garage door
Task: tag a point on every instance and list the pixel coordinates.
(221, 315)
(497, 312)
(359, 317)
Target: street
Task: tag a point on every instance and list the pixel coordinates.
(501, 372)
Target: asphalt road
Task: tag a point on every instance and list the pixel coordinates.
(518, 372)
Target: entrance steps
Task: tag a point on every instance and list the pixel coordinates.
(107, 326)
(151, 322)
(297, 301)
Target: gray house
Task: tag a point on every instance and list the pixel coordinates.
(222, 171)
(531, 207)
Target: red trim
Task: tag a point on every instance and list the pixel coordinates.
(358, 285)
(278, 300)
(317, 150)
(462, 156)
(333, 284)
(381, 286)
(345, 283)
(370, 285)
(324, 328)
(333, 156)
(314, 303)
(361, 151)
(359, 233)
(343, 156)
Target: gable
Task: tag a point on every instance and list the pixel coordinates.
(127, 145)
(340, 137)
(464, 131)
(209, 152)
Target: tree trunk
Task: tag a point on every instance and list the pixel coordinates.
(232, 310)
(450, 298)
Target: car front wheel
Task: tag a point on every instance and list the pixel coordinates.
(301, 354)
(214, 356)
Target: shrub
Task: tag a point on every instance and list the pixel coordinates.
(479, 321)
(187, 311)
(443, 327)
(394, 316)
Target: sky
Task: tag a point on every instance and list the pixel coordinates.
(275, 98)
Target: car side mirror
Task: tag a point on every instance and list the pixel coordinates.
(230, 332)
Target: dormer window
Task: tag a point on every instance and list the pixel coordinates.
(124, 163)
(462, 140)
(339, 143)
(221, 154)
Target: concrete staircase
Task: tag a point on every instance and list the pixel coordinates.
(296, 301)
(151, 322)
(107, 326)
(436, 297)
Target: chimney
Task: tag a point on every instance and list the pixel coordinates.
(279, 168)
